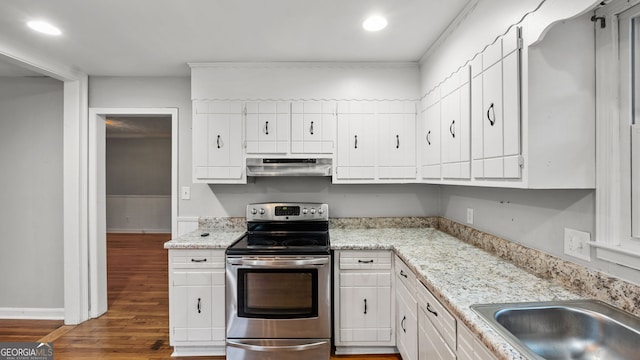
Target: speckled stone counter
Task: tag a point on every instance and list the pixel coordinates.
(217, 239)
(458, 274)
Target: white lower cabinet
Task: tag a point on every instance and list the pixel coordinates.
(437, 328)
(470, 347)
(197, 302)
(364, 304)
(406, 312)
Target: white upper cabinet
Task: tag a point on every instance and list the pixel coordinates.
(376, 142)
(429, 136)
(268, 126)
(496, 109)
(397, 140)
(313, 126)
(217, 142)
(455, 126)
(357, 130)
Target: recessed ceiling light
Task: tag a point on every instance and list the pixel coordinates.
(44, 27)
(374, 23)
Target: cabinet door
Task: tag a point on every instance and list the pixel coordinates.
(357, 129)
(267, 127)
(430, 140)
(365, 308)
(191, 308)
(493, 123)
(431, 346)
(450, 127)
(406, 323)
(477, 125)
(397, 141)
(217, 139)
(312, 127)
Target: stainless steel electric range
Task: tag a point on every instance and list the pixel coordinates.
(279, 284)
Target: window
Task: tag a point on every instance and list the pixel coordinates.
(618, 132)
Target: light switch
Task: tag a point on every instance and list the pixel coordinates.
(186, 193)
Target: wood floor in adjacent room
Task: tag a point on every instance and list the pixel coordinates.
(136, 326)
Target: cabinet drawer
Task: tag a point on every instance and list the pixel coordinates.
(365, 260)
(442, 320)
(406, 276)
(197, 259)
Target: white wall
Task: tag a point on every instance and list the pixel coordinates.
(139, 184)
(31, 233)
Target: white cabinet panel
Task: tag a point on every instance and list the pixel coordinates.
(406, 323)
(217, 142)
(430, 141)
(364, 306)
(313, 127)
(511, 103)
(197, 298)
(267, 127)
(357, 130)
(470, 347)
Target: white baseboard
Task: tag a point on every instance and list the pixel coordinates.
(183, 351)
(139, 231)
(32, 313)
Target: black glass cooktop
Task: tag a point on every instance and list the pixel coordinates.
(262, 239)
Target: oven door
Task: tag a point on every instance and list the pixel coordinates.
(283, 297)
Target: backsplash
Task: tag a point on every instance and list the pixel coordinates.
(590, 283)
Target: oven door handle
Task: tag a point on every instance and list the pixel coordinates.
(278, 263)
(273, 348)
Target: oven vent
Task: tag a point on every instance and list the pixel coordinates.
(288, 167)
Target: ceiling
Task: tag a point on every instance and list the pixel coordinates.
(159, 37)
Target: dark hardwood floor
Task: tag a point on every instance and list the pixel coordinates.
(136, 326)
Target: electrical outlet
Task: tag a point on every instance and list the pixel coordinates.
(470, 216)
(576, 244)
(186, 193)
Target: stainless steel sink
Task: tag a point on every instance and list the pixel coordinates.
(580, 329)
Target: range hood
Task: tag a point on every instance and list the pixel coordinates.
(288, 167)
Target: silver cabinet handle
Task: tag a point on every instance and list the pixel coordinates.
(311, 128)
(272, 348)
(397, 141)
(266, 127)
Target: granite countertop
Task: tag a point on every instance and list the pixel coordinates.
(217, 239)
(443, 264)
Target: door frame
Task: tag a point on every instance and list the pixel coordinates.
(97, 250)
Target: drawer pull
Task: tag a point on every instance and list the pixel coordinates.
(365, 261)
(199, 260)
(431, 311)
(403, 274)
(199, 307)
(365, 306)
(402, 324)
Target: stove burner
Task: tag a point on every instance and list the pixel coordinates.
(301, 242)
(261, 241)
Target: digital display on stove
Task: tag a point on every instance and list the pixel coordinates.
(287, 210)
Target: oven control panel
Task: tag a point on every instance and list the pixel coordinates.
(287, 211)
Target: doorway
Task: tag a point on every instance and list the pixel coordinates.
(111, 126)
